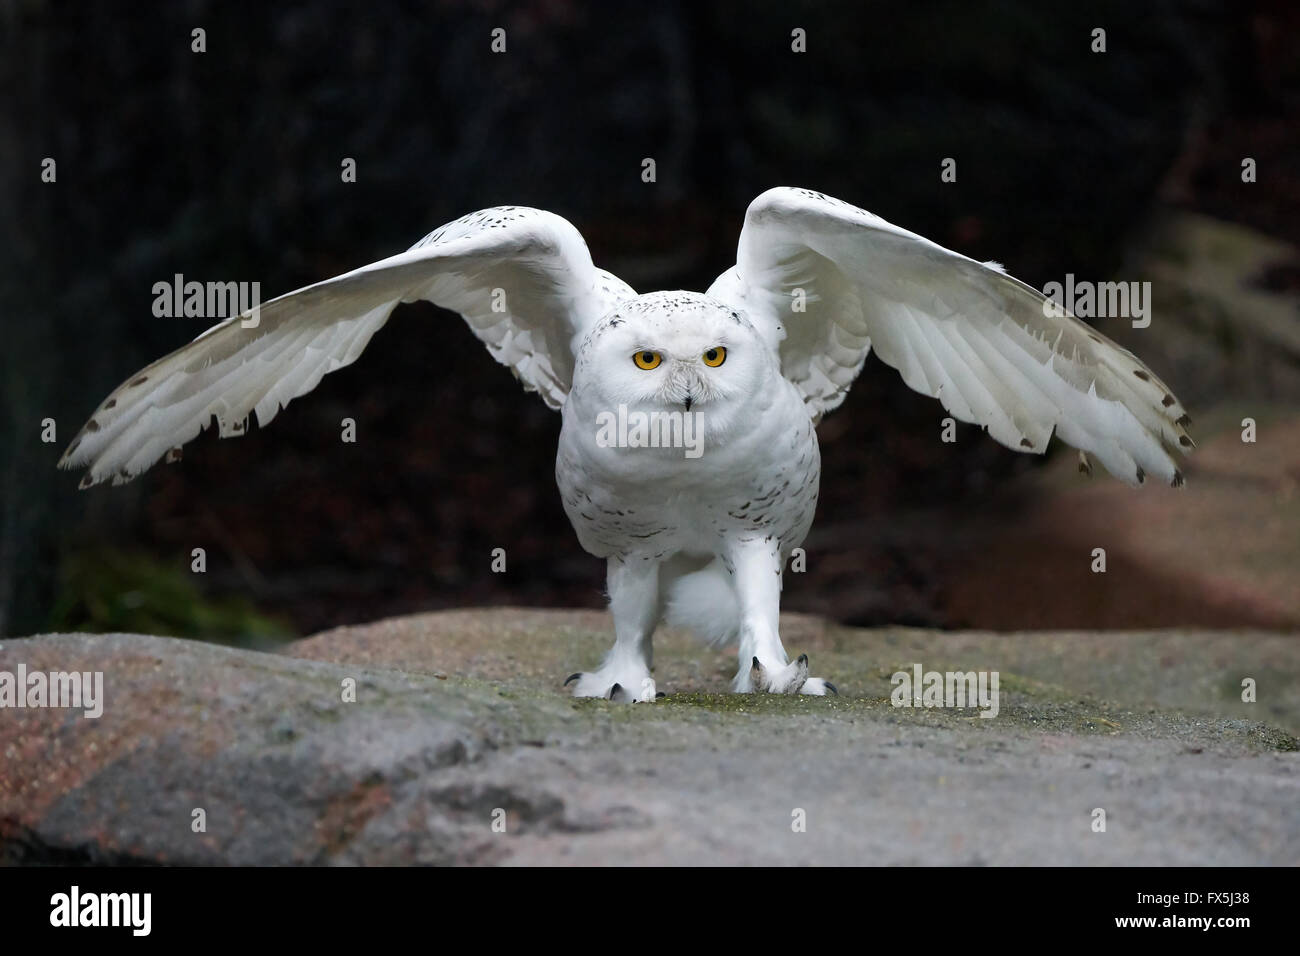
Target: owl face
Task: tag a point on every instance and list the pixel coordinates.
(673, 351)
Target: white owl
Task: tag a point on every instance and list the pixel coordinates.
(688, 455)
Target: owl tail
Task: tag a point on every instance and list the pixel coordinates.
(704, 602)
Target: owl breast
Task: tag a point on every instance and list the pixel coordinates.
(627, 498)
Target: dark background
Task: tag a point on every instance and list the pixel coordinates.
(225, 165)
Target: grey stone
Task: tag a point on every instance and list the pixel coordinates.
(460, 720)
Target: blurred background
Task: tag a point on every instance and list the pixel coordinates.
(225, 165)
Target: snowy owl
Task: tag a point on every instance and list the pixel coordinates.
(688, 454)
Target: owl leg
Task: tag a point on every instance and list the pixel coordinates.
(635, 602)
(764, 664)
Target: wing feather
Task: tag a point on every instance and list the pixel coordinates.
(521, 278)
(962, 331)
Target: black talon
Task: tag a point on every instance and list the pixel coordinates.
(756, 665)
(614, 690)
(660, 694)
(803, 659)
(831, 687)
(572, 678)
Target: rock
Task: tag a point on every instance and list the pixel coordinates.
(1223, 551)
(460, 720)
(1223, 314)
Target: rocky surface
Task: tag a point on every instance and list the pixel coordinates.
(1222, 552)
(459, 719)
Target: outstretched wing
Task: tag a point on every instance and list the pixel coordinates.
(824, 281)
(522, 278)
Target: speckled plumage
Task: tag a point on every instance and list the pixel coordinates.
(688, 455)
(689, 538)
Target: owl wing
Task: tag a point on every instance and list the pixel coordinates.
(824, 281)
(522, 278)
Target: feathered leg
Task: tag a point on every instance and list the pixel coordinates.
(764, 665)
(635, 602)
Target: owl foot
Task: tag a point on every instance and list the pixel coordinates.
(599, 683)
(790, 678)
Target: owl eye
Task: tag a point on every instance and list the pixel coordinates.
(647, 359)
(715, 356)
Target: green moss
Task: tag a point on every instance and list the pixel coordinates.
(1275, 739)
(108, 591)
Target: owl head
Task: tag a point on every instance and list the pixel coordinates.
(674, 351)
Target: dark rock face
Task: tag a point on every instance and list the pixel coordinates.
(1059, 150)
(461, 748)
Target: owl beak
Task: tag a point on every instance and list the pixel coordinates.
(685, 387)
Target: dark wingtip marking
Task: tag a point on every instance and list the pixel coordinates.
(1141, 475)
(91, 426)
(1167, 401)
(1026, 443)
(1185, 421)
(1178, 481)
(86, 481)
(1142, 375)
(1186, 441)
(139, 381)
(110, 403)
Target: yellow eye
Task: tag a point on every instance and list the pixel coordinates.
(715, 356)
(647, 360)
